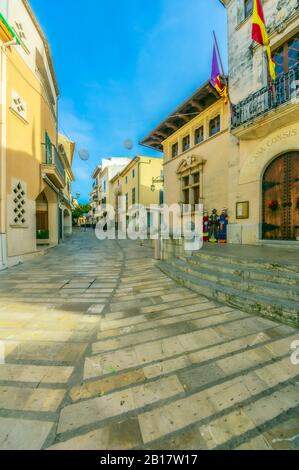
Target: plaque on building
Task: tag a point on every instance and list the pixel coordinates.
(242, 211)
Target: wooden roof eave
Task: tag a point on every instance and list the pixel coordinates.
(187, 111)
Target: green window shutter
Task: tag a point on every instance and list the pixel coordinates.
(48, 149)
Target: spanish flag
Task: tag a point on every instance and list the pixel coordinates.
(260, 34)
(216, 78)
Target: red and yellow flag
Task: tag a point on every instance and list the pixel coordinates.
(216, 78)
(260, 34)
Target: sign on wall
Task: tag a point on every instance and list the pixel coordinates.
(242, 210)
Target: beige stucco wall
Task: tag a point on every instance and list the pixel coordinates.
(215, 173)
(214, 150)
(25, 153)
(67, 221)
(114, 187)
(66, 207)
(27, 79)
(146, 168)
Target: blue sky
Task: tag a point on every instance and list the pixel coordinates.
(123, 65)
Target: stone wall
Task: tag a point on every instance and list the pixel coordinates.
(247, 64)
(172, 248)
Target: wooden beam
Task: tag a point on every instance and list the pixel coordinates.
(196, 105)
(214, 92)
(171, 125)
(162, 134)
(184, 118)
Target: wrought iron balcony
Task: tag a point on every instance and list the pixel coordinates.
(53, 166)
(58, 163)
(284, 89)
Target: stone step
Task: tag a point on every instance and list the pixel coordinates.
(285, 311)
(258, 273)
(249, 262)
(236, 280)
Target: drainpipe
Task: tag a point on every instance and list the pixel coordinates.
(3, 227)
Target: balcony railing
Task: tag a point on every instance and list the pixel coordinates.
(284, 89)
(58, 163)
(52, 158)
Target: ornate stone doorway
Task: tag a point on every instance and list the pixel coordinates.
(281, 198)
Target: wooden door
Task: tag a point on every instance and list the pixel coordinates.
(280, 196)
(42, 220)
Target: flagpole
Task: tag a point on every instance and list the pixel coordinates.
(222, 69)
(219, 55)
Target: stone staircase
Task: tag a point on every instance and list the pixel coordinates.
(256, 286)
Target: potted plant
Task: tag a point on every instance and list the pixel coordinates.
(42, 237)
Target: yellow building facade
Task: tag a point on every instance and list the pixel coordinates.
(66, 149)
(196, 151)
(33, 172)
(136, 184)
(137, 181)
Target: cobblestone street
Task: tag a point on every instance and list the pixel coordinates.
(103, 351)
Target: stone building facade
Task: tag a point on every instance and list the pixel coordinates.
(250, 164)
(264, 157)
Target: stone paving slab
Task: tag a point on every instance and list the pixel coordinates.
(106, 385)
(116, 436)
(232, 425)
(199, 406)
(106, 352)
(22, 434)
(44, 352)
(118, 403)
(28, 399)
(35, 374)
